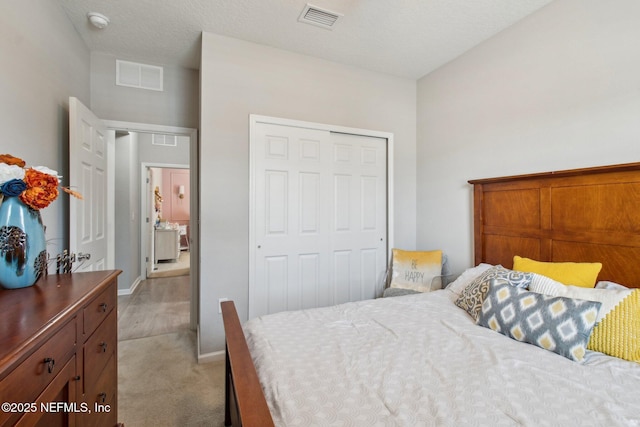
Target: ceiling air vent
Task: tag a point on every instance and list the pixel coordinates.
(319, 17)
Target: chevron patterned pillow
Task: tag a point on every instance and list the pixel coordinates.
(558, 324)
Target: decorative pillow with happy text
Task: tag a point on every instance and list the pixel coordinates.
(416, 270)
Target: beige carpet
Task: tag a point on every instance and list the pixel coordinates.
(160, 383)
(158, 306)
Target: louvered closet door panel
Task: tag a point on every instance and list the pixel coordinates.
(318, 198)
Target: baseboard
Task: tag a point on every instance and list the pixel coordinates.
(132, 288)
(215, 356)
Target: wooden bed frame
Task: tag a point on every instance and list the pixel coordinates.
(580, 215)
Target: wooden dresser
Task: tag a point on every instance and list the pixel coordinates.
(58, 351)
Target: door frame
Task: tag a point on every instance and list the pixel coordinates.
(194, 207)
(255, 119)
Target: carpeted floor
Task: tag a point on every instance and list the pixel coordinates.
(158, 306)
(161, 384)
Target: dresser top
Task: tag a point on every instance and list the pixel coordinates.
(27, 314)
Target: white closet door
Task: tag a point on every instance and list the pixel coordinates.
(319, 230)
(358, 227)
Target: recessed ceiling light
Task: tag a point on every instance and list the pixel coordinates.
(98, 20)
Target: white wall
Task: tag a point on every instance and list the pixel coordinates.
(559, 90)
(127, 209)
(43, 62)
(176, 105)
(239, 78)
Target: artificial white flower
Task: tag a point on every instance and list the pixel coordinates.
(9, 172)
(46, 170)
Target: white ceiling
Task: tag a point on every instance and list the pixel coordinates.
(407, 38)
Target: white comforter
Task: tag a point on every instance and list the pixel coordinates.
(419, 360)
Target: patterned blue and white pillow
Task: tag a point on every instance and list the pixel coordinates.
(558, 324)
(470, 299)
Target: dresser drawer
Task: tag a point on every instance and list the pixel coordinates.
(101, 397)
(98, 309)
(99, 348)
(61, 390)
(29, 379)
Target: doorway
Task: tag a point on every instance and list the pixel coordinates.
(157, 148)
(119, 176)
(167, 199)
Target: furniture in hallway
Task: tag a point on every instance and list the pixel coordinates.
(58, 351)
(167, 244)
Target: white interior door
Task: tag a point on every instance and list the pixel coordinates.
(88, 175)
(319, 203)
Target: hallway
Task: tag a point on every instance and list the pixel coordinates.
(158, 306)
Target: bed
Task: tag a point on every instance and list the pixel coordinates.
(422, 360)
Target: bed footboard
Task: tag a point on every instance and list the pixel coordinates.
(245, 404)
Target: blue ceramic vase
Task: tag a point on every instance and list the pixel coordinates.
(23, 253)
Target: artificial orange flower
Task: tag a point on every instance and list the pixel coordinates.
(42, 189)
(10, 160)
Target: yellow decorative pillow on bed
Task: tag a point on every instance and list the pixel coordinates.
(417, 270)
(583, 274)
(617, 330)
(618, 334)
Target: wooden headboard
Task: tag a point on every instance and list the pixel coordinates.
(580, 215)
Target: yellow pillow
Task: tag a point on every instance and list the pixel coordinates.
(582, 274)
(417, 270)
(618, 333)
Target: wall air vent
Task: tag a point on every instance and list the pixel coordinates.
(319, 17)
(141, 76)
(164, 140)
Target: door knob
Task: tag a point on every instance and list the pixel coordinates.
(82, 257)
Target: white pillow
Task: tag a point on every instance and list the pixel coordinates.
(543, 285)
(467, 276)
(604, 284)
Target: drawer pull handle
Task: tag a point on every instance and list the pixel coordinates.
(103, 306)
(104, 346)
(77, 378)
(51, 363)
(103, 397)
